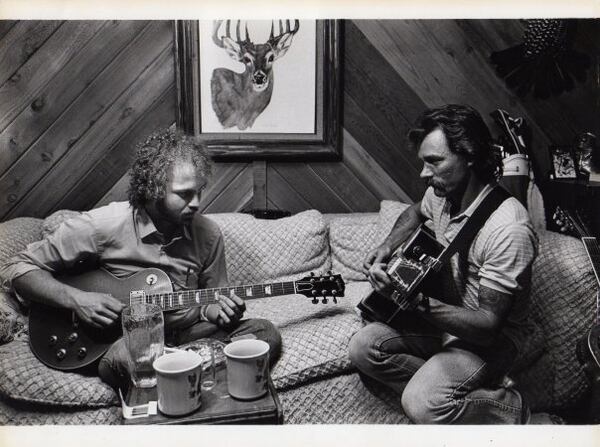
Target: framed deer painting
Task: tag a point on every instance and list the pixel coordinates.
(260, 89)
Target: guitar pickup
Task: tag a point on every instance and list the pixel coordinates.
(137, 296)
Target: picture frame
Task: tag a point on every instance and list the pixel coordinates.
(302, 118)
(563, 162)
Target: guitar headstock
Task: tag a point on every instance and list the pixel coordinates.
(323, 286)
(570, 222)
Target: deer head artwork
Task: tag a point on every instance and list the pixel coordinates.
(239, 98)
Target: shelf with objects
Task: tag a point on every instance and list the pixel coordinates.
(572, 190)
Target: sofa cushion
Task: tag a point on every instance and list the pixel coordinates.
(389, 211)
(16, 234)
(315, 336)
(258, 250)
(563, 294)
(24, 378)
(351, 238)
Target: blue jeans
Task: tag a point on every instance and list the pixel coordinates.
(439, 383)
(112, 367)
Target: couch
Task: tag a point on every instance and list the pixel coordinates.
(315, 380)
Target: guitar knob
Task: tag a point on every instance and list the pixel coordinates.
(331, 278)
(324, 292)
(72, 338)
(81, 353)
(52, 340)
(314, 292)
(61, 354)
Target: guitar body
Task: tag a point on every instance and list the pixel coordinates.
(413, 269)
(61, 341)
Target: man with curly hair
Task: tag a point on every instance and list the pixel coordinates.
(449, 357)
(159, 227)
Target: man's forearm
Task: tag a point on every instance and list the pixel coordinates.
(406, 223)
(40, 286)
(478, 327)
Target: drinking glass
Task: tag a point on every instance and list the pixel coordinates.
(212, 355)
(143, 331)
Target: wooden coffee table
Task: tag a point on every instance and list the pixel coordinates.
(218, 407)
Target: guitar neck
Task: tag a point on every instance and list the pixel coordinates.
(593, 252)
(184, 299)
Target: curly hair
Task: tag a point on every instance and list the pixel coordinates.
(466, 134)
(154, 158)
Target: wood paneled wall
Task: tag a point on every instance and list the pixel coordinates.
(75, 97)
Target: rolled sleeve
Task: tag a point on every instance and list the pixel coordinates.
(509, 257)
(72, 242)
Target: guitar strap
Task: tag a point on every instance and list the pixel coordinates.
(471, 227)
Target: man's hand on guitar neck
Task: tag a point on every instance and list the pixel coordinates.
(227, 311)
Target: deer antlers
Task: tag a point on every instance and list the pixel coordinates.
(273, 40)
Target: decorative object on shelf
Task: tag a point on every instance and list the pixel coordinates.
(260, 89)
(545, 61)
(583, 152)
(564, 165)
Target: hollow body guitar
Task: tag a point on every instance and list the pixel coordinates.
(61, 341)
(413, 268)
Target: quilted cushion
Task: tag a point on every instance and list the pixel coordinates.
(342, 400)
(351, 238)
(257, 250)
(315, 337)
(563, 304)
(389, 211)
(16, 233)
(22, 413)
(24, 378)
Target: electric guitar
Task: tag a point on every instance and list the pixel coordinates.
(61, 341)
(412, 269)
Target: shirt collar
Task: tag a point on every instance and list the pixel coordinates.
(146, 228)
(475, 203)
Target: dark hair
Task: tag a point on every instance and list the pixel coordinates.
(466, 134)
(154, 158)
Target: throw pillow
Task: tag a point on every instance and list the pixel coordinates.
(389, 212)
(24, 378)
(351, 238)
(258, 250)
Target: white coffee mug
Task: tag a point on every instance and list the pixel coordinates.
(178, 382)
(247, 368)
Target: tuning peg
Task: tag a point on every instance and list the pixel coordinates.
(312, 273)
(324, 300)
(315, 300)
(329, 272)
(334, 299)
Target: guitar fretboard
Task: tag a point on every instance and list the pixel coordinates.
(593, 252)
(191, 298)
